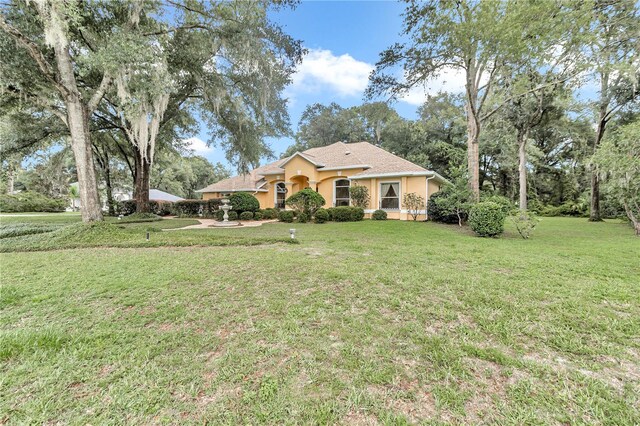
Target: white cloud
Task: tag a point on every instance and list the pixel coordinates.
(197, 145)
(321, 70)
(450, 80)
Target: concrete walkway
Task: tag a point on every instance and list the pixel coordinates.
(206, 224)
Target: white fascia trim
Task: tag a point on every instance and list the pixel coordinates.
(281, 172)
(400, 174)
(315, 163)
(235, 190)
(355, 166)
(422, 212)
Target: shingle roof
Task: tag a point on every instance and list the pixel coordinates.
(375, 161)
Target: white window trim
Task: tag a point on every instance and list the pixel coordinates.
(275, 192)
(334, 189)
(399, 195)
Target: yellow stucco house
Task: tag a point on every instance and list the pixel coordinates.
(331, 171)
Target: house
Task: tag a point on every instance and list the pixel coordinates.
(157, 195)
(331, 171)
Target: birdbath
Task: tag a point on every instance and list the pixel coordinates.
(225, 207)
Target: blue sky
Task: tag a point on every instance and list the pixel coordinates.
(344, 39)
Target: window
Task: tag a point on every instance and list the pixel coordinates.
(341, 192)
(390, 196)
(281, 195)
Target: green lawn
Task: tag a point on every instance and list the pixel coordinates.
(361, 323)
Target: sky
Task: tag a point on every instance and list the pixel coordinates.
(344, 40)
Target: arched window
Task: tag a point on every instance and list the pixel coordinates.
(281, 195)
(341, 192)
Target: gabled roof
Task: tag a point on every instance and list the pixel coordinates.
(157, 195)
(374, 161)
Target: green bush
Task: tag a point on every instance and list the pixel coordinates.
(258, 215)
(190, 208)
(161, 208)
(270, 213)
(346, 214)
(379, 215)
(486, 219)
(233, 215)
(321, 216)
(303, 218)
(31, 202)
(285, 216)
(437, 212)
(125, 207)
(572, 208)
(357, 214)
(525, 223)
(244, 202)
(507, 205)
(219, 215)
(306, 201)
(246, 216)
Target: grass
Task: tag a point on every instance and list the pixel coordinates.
(361, 323)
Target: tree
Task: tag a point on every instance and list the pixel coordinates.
(306, 202)
(359, 195)
(46, 57)
(414, 203)
(527, 112)
(617, 162)
(226, 61)
(615, 55)
(477, 38)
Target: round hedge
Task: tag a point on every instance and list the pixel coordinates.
(379, 215)
(258, 215)
(506, 204)
(285, 216)
(246, 216)
(233, 215)
(244, 202)
(303, 218)
(486, 219)
(321, 216)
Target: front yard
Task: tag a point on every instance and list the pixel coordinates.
(360, 323)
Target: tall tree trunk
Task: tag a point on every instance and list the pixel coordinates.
(635, 220)
(594, 213)
(110, 201)
(78, 123)
(522, 168)
(473, 153)
(11, 178)
(603, 107)
(142, 179)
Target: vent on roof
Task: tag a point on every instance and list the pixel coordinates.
(347, 152)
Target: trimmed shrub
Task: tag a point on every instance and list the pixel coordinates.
(321, 216)
(233, 215)
(302, 218)
(379, 215)
(306, 201)
(258, 215)
(285, 216)
(219, 215)
(246, 216)
(244, 202)
(486, 219)
(161, 208)
(31, 202)
(270, 213)
(126, 207)
(212, 207)
(357, 214)
(346, 214)
(507, 205)
(190, 208)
